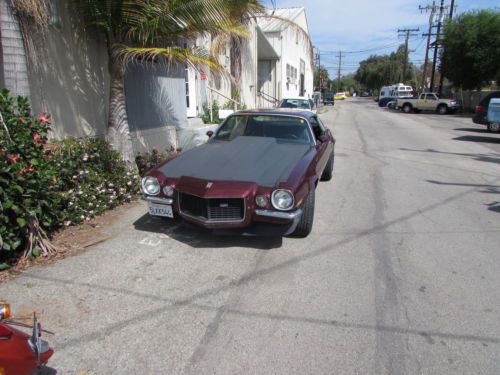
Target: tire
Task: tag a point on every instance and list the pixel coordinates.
(494, 127)
(306, 220)
(328, 171)
(407, 108)
(442, 109)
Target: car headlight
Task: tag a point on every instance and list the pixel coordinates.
(168, 191)
(282, 199)
(150, 185)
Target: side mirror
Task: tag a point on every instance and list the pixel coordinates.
(324, 138)
(210, 134)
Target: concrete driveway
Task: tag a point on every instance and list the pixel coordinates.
(401, 274)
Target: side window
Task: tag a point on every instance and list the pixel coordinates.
(232, 128)
(317, 127)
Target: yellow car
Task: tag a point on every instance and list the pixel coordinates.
(340, 96)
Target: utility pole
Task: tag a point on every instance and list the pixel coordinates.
(443, 61)
(432, 8)
(436, 43)
(340, 68)
(405, 65)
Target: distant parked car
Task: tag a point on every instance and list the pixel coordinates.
(428, 102)
(298, 102)
(393, 104)
(385, 100)
(329, 99)
(365, 94)
(482, 108)
(340, 96)
(493, 116)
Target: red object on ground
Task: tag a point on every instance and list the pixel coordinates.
(16, 355)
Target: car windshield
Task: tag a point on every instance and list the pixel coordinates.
(282, 128)
(295, 103)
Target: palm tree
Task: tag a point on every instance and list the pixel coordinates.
(159, 30)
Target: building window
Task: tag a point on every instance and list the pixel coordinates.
(187, 87)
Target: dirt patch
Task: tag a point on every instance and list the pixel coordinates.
(74, 240)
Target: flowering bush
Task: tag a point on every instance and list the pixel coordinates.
(44, 187)
(149, 160)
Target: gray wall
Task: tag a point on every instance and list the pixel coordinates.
(14, 75)
(72, 82)
(156, 104)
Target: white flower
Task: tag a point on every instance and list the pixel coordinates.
(67, 223)
(129, 183)
(82, 217)
(81, 173)
(87, 219)
(85, 157)
(111, 185)
(70, 204)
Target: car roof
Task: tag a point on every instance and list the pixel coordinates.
(278, 112)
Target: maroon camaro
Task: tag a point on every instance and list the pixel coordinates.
(256, 175)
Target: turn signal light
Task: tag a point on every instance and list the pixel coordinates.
(4, 311)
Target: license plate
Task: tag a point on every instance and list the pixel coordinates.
(160, 210)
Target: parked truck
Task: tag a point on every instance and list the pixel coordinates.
(428, 101)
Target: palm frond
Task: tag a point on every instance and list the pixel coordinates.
(196, 58)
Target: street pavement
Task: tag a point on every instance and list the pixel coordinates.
(401, 274)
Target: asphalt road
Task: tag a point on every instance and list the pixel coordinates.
(401, 274)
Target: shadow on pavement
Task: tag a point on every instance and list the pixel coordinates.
(475, 130)
(489, 158)
(495, 207)
(488, 189)
(475, 138)
(197, 237)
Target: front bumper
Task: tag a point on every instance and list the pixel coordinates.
(259, 222)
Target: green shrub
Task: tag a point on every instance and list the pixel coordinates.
(215, 113)
(44, 187)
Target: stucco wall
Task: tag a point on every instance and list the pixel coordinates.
(72, 82)
(156, 105)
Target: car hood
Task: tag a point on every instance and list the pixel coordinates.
(252, 159)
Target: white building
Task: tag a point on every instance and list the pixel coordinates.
(293, 73)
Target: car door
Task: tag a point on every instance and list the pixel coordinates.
(323, 149)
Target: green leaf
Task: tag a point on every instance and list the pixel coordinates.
(36, 252)
(4, 266)
(21, 222)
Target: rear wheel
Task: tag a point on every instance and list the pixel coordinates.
(494, 127)
(306, 220)
(328, 171)
(407, 108)
(442, 109)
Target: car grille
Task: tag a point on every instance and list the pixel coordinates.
(223, 209)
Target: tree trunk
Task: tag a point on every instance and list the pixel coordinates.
(118, 129)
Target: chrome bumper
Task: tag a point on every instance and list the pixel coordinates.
(158, 200)
(280, 214)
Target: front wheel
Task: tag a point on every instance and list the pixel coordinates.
(306, 220)
(442, 110)
(494, 127)
(407, 108)
(328, 171)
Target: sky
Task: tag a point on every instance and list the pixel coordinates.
(359, 25)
